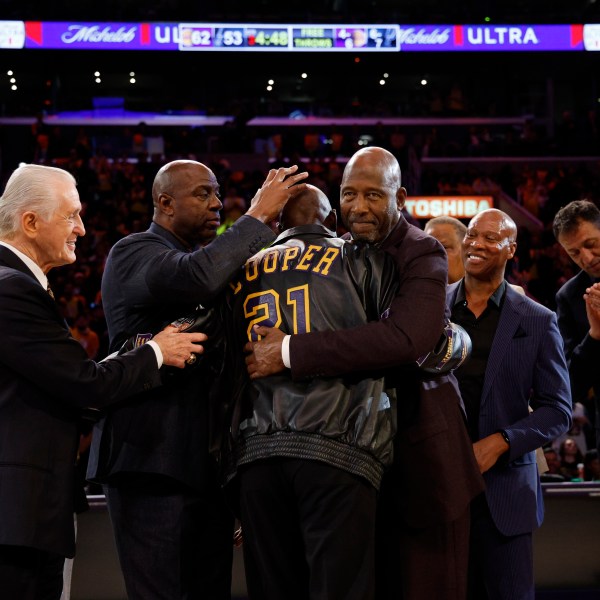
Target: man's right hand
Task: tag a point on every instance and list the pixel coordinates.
(592, 307)
(264, 357)
(277, 189)
(179, 349)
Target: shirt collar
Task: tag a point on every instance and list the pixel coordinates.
(31, 264)
(496, 297)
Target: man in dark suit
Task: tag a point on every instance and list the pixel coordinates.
(576, 226)
(173, 529)
(46, 378)
(423, 510)
(517, 363)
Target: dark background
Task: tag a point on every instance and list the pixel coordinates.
(222, 83)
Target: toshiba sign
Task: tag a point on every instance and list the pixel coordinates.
(461, 207)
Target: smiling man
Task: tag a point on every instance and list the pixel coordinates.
(517, 361)
(46, 379)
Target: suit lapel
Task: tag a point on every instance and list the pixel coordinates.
(9, 259)
(508, 326)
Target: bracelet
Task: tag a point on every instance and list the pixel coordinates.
(504, 436)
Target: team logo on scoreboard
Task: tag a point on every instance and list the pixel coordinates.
(12, 34)
(591, 37)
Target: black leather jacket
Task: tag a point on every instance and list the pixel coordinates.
(310, 280)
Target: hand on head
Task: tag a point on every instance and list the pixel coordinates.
(275, 192)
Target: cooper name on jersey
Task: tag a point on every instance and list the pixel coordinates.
(314, 258)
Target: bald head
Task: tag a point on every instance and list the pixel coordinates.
(185, 194)
(308, 207)
(506, 224)
(489, 244)
(171, 176)
(374, 159)
(371, 195)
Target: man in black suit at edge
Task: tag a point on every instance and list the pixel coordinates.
(576, 226)
(46, 378)
(173, 529)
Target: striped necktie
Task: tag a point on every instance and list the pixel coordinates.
(49, 290)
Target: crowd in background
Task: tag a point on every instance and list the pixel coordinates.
(114, 171)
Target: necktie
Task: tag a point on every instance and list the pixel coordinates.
(49, 290)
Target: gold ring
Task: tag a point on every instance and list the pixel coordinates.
(191, 360)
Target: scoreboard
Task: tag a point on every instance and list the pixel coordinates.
(291, 37)
(189, 37)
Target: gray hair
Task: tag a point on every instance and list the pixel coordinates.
(29, 188)
(459, 227)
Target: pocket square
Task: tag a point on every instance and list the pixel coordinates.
(520, 333)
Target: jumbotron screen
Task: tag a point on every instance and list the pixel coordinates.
(256, 37)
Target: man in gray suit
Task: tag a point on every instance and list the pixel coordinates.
(517, 362)
(46, 378)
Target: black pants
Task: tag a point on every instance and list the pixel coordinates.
(173, 542)
(309, 528)
(419, 563)
(500, 566)
(30, 574)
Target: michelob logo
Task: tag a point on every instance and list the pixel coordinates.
(421, 35)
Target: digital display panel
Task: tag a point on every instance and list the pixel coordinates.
(296, 38)
(490, 38)
(345, 37)
(304, 37)
(232, 37)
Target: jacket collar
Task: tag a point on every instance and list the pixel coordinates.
(293, 232)
(10, 259)
(172, 239)
(397, 234)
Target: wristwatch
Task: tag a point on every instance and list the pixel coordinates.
(504, 436)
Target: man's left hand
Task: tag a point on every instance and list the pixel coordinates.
(264, 356)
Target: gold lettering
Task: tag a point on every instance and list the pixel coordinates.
(325, 263)
(289, 254)
(304, 263)
(270, 261)
(251, 270)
